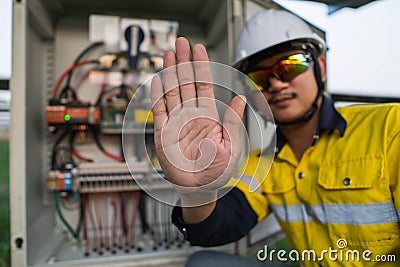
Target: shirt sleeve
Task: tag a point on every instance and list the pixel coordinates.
(231, 219)
(393, 157)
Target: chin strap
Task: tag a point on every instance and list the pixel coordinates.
(317, 73)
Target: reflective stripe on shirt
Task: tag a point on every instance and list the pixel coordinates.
(251, 182)
(353, 214)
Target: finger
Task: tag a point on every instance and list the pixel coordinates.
(159, 109)
(202, 70)
(232, 124)
(185, 72)
(171, 85)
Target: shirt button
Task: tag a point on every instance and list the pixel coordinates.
(346, 181)
(184, 232)
(301, 175)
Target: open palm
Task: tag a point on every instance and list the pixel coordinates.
(194, 149)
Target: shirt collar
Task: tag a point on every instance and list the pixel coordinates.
(330, 119)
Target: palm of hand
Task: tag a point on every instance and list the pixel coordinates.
(192, 143)
(193, 148)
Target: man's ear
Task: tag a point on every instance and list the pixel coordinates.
(322, 65)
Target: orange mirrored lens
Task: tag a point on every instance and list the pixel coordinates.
(285, 70)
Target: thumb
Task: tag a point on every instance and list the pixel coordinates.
(232, 123)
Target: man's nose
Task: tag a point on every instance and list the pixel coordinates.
(276, 84)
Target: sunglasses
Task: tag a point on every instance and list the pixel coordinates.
(284, 70)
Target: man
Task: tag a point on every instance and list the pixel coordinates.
(334, 183)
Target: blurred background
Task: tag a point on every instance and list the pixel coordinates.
(363, 63)
(5, 98)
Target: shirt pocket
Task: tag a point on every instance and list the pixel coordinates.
(280, 190)
(280, 182)
(356, 202)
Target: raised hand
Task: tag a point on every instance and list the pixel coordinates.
(197, 153)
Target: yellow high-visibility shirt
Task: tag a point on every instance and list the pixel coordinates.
(343, 195)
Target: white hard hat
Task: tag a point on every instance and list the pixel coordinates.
(272, 28)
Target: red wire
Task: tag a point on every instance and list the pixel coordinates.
(103, 84)
(62, 77)
(103, 88)
(80, 157)
(114, 157)
(85, 224)
(80, 82)
(124, 231)
(135, 199)
(92, 221)
(114, 202)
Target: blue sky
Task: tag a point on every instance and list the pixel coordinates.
(363, 57)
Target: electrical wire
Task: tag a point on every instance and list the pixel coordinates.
(104, 214)
(114, 204)
(157, 224)
(102, 90)
(80, 56)
(68, 88)
(63, 156)
(99, 219)
(83, 78)
(65, 91)
(81, 216)
(74, 151)
(61, 216)
(123, 93)
(164, 214)
(58, 141)
(68, 207)
(135, 207)
(79, 156)
(142, 212)
(100, 146)
(93, 223)
(72, 68)
(85, 223)
(124, 215)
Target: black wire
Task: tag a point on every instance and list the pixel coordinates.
(71, 143)
(94, 130)
(68, 87)
(58, 141)
(122, 209)
(71, 140)
(123, 92)
(81, 215)
(65, 90)
(68, 158)
(95, 134)
(142, 212)
(80, 56)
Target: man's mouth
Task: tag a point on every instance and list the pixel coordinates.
(281, 98)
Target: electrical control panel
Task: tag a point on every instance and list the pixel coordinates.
(98, 202)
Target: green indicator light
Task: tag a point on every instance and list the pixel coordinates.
(67, 117)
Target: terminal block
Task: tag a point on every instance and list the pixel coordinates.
(70, 114)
